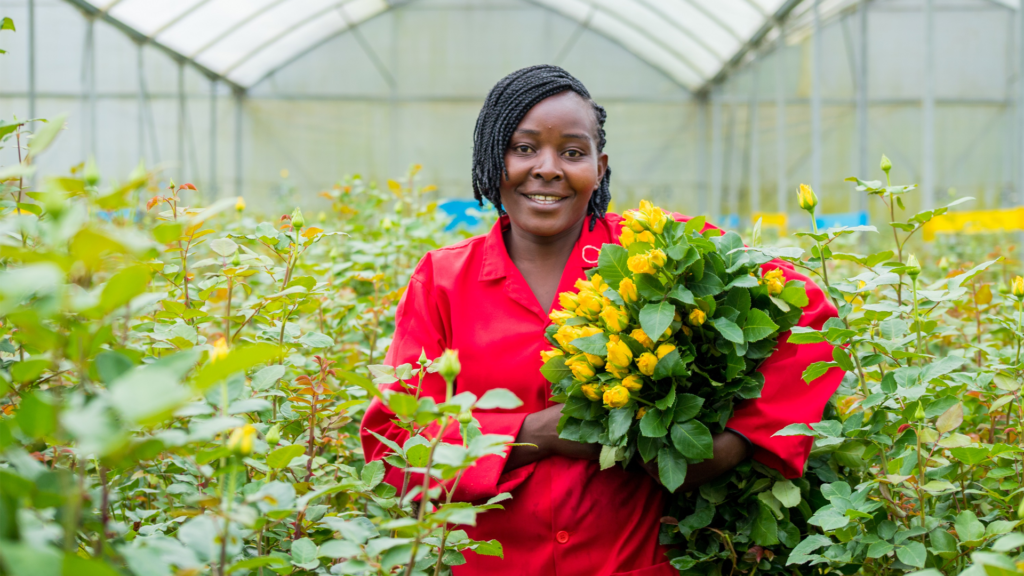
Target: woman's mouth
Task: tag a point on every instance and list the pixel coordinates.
(544, 199)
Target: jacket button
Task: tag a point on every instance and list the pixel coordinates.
(562, 537)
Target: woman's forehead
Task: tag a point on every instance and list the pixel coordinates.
(566, 112)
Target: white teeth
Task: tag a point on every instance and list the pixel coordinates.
(543, 198)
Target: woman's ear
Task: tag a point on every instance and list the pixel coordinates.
(602, 166)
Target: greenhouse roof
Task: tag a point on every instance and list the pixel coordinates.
(243, 41)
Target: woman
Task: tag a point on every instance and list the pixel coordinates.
(538, 157)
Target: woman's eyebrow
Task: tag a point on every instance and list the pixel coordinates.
(576, 136)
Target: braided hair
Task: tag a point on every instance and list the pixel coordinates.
(506, 105)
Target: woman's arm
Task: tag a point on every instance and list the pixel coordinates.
(541, 429)
(729, 450)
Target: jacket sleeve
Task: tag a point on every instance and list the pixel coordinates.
(785, 398)
(421, 327)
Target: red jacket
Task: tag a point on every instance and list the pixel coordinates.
(566, 516)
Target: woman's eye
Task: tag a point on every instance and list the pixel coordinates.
(573, 153)
(522, 148)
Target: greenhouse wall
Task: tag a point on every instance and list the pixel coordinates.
(405, 87)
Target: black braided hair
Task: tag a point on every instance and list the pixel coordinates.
(510, 99)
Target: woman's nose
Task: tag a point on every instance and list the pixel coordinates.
(547, 167)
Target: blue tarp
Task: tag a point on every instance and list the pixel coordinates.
(464, 212)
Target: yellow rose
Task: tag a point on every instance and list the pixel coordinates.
(615, 318)
(627, 237)
(633, 382)
(568, 301)
(657, 258)
(616, 397)
(240, 204)
(546, 355)
(640, 336)
(595, 361)
(635, 220)
(617, 371)
(1017, 287)
(687, 331)
(697, 317)
(590, 305)
(241, 440)
(775, 287)
(560, 316)
(640, 413)
(627, 289)
(657, 220)
(565, 335)
(646, 362)
(645, 237)
(588, 330)
(581, 369)
(220, 350)
(640, 264)
(591, 392)
(806, 197)
(598, 284)
(619, 353)
(664, 350)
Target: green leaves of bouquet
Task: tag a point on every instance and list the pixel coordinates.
(666, 333)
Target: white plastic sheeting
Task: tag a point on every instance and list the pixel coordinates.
(690, 41)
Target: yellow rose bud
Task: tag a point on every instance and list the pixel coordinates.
(619, 353)
(640, 413)
(775, 287)
(591, 392)
(1017, 287)
(635, 220)
(627, 289)
(646, 363)
(687, 331)
(616, 397)
(595, 361)
(645, 237)
(598, 284)
(633, 382)
(581, 369)
(697, 317)
(220, 350)
(657, 220)
(664, 350)
(617, 371)
(560, 316)
(808, 200)
(565, 335)
(657, 258)
(546, 355)
(640, 336)
(913, 267)
(627, 237)
(615, 318)
(640, 264)
(240, 204)
(589, 331)
(590, 305)
(241, 439)
(568, 301)
(885, 164)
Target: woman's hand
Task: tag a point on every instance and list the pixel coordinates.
(729, 450)
(541, 429)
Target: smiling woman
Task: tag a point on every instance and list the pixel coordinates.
(538, 157)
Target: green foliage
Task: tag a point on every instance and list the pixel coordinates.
(183, 384)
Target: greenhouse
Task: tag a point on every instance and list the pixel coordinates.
(566, 287)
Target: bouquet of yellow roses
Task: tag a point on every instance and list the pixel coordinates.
(668, 330)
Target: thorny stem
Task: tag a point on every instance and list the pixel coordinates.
(896, 236)
(917, 316)
(227, 316)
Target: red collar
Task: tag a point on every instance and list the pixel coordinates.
(497, 264)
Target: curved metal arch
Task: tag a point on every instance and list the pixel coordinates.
(235, 27)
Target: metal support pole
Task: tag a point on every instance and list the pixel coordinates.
(780, 127)
(238, 142)
(754, 181)
(89, 79)
(816, 53)
(213, 139)
(928, 109)
(142, 105)
(702, 156)
(31, 59)
(735, 161)
(862, 101)
(182, 119)
(1020, 104)
(715, 200)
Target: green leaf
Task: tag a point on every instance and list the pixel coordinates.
(798, 429)
(671, 468)
(36, 415)
(43, 137)
(970, 455)
(28, 370)
(687, 407)
(652, 426)
(555, 369)
(611, 264)
(498, 398)
(729, 330)
(304, 553)
(669, 365)
(795, 293)
(693, 440)
(913, 554)
(765, 529)
(267, 377)
(224, 246)
(817, 370)
(402, 404)
(122, 287)
(842, 359)
(372, 474)
(806, 546)
(694, 225)
(596, 344)
(787, 493)
(759, 326)
(7, 24)
(607, 457)
(656, 317)
(879, 549)
(281, 457)
(708, 285)
(950, 419)
(968, 527)
(238, 359)
(618, 422)
(148, 394)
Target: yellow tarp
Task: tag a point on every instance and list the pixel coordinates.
(775, 220)
(975, 222)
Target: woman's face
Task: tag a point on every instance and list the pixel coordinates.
(553, 166)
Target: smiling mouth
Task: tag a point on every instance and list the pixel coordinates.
(544, 199)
